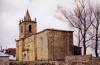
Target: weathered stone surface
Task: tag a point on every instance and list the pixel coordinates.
(60, 44)
(42, 46)
(46, 45)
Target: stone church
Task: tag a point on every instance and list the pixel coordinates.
(49, 44)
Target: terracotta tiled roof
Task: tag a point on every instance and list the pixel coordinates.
(11, 51)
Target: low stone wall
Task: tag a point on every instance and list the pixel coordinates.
(21, 63)
(69, 60)
(54, 63)
(82, 58)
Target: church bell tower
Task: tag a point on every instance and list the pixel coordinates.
(27, 26)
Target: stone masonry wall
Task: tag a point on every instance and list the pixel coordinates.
(29, 47)
(59, 44)
(42, 46)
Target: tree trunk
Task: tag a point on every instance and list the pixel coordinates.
(96, 50)
(84, 45)
(96, 44)
(79, 38)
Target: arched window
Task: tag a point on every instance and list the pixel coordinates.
(21, 29)
(30, 28)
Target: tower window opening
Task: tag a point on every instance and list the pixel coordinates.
(21, 29)
(30, 28)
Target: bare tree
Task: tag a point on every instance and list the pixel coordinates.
(80, 18)
(96, 26)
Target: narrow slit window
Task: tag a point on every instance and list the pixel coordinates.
(21, 29)
(30, 28)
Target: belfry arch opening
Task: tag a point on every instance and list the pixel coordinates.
(30, 28)
(21, 29)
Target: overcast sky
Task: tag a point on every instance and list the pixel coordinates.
(11, 11)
